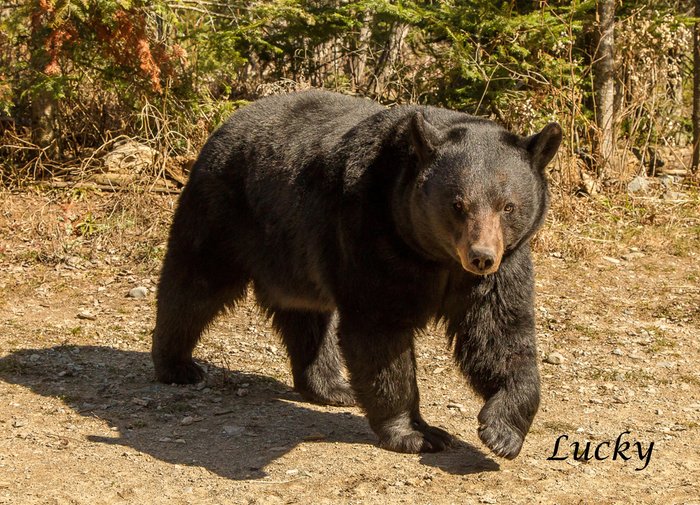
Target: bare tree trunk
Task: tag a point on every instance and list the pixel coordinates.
(357, 61)
(389, 57)
(43, 101)
(43, 113)
(604, 84)
(696, 93)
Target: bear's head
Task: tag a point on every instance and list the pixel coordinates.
(475, 191)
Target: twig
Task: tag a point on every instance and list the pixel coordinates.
(105, 187)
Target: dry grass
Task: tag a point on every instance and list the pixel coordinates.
(56, 225)
(580, 226)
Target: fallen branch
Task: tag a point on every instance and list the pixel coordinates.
(105, 187)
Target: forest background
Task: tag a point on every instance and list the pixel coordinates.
(79, 79)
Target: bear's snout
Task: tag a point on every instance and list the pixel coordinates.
(480, 247)
(481, 259)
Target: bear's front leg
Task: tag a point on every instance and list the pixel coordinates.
(382, 373)
(495, 346)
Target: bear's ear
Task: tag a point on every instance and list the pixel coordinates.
(543, 145)
(424, 136)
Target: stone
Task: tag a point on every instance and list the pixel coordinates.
(138, 292)
(86, 314)
(232, 431)
(638, 184)
(554, 358)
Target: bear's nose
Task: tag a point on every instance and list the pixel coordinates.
(482, 258)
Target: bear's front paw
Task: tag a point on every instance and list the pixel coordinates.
(497, 429)
(180, 372)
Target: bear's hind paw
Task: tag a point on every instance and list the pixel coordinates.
(423, 439)
(181, 372)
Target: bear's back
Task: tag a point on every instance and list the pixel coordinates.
(284, 133)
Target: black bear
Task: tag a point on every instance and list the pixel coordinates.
(357, 226)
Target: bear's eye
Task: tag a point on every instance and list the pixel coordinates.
(458, 206)
(509, 208)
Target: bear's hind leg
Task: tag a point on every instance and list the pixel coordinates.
(312, 346)
(382, 373)
(186, 306)
(200, 277)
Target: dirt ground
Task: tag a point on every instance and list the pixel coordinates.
(82, 420)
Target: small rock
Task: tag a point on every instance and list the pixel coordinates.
(590, 185)
(457, 406)
(129, 157)
(554, 358)
(187, 420)
(673, 195)
(667, 181)
(292, 471)
(241, 392)
(138, 292)
(614, 261)
(232, 431)
(143, 402)
(19, 423)
(638, 184)
(630, 256)
(86, 314)
(438, 370)
(618, 352)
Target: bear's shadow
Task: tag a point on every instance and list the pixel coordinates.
(234, 426)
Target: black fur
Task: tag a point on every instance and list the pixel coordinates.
(337, 208)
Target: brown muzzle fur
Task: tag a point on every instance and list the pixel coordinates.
(480, 249)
